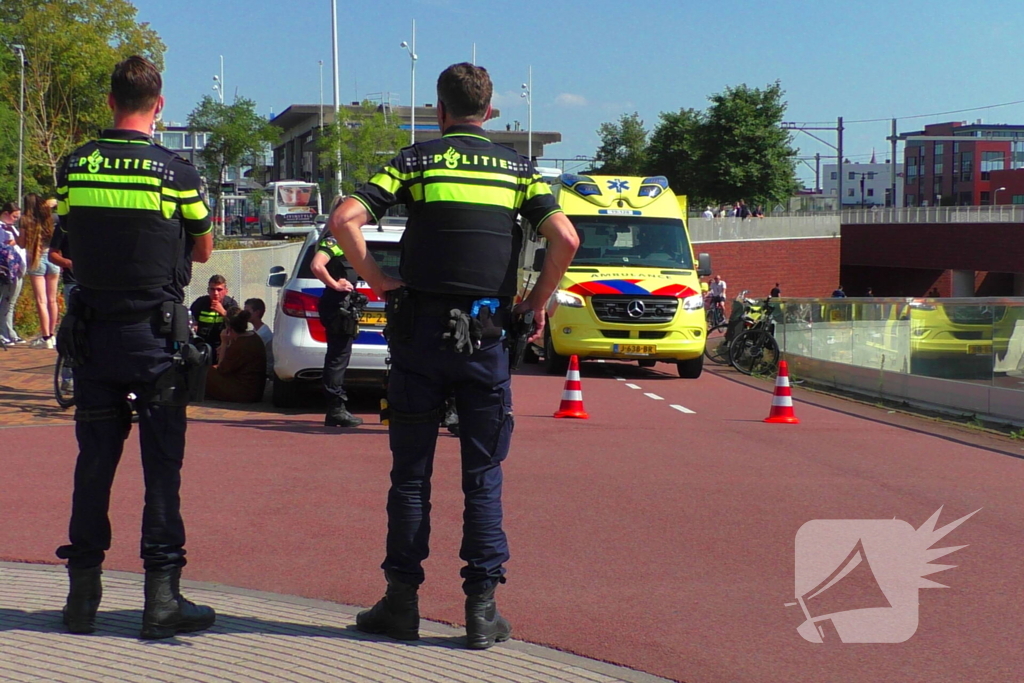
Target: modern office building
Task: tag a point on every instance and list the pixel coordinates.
(961, 164)
(864, 185)
(296, 155)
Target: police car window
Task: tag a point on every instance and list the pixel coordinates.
(387, 255)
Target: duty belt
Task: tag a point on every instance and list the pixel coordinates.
(442, 304)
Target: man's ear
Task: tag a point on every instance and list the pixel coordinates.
(159, 105)
(487, 114)
(110, 102)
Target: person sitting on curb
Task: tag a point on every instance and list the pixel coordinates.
(241, 374)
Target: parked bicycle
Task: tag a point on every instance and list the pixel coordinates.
(755, 351)
(63, 384)
(744, 313)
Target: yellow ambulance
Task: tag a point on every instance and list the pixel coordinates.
(633, 290)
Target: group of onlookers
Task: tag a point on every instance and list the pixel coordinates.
(25, 246)
(32, 248)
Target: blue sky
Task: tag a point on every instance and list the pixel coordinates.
(594, 61)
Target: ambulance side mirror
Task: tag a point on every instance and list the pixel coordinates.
(703, 265)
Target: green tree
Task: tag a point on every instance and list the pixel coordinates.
(71, 47)
(237, 136)
(623, 149)
(745, 153)
(675, 153)
(364, 140)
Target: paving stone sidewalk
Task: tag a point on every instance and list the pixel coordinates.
(257, 637)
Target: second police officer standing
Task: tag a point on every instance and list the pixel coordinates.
(134, 218)
(460, 254)
(339, 309)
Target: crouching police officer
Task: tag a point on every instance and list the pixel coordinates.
(446, 317)
(128, 206)
(339, 309)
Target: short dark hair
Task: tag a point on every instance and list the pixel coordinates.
(217, 280)
(256, 305)
(135, 84)
(465, 90)
(10, 207)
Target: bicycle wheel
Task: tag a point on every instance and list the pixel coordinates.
(755, 352)
(715, 347)
(63, 389)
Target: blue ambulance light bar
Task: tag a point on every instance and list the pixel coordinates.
(580, 184)
(653, 186)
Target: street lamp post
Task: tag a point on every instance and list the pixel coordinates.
(528, 94)
(321, 63)
(218, 82)
(20, 49)
(995, 195)
(411, 49)
(337, 89)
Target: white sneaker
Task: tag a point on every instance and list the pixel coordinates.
(39, 343)
(51, 343)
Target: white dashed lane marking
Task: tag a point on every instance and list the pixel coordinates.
(654, 396)
(683, 409)
(632, 386)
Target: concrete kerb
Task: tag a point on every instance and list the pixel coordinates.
(259, 636)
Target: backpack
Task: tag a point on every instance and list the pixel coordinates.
(12, 268)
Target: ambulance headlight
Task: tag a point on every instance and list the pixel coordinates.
(693, 303)
(569, 299)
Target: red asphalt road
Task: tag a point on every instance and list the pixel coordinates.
(644, 536)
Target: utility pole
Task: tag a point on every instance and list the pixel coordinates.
(337, 95)
(817, 172)
(20, 49)
(892, 171)
(839, 150)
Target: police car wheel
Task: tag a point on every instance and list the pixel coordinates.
(285, 394)
(690, 369)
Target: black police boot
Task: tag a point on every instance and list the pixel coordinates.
(397, 614)
(484, 625)
(338, 415)
(167, 612)
(83, 599)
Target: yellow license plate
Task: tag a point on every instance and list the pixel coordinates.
(635, 349)
(372, 318)
(978, 350)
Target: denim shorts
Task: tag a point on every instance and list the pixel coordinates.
(44, 267)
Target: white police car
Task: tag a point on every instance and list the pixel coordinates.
(300, 340)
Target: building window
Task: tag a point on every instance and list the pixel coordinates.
(990, 161)
(871, 192)
(174, 140)
(938, 148)
(835, 175)
(985, 197)
(911, 200)
(849, 192)
(871, 175)
(911, 167)
(1018, 199)
(851, 175)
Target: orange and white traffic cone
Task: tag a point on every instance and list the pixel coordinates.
(572, 395)
(782, 401)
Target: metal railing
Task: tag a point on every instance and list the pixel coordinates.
(730, 229)
(1006, 213)
(246, 271)
(977, 340)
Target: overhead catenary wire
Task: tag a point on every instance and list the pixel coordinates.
(901, 118)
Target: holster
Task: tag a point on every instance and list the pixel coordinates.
(72, 342)
(400, 314)
(343, 319)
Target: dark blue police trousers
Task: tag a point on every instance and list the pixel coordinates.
(423, 376)
(125, 357)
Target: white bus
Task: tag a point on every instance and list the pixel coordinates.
(289, 208)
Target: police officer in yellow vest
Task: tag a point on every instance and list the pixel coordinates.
(447, 317)
(134, 220)
(339, 309)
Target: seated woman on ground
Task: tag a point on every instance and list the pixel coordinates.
(241, 375)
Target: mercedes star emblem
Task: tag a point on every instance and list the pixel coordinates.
(635, 308)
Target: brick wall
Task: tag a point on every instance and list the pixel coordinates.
(806, 267)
